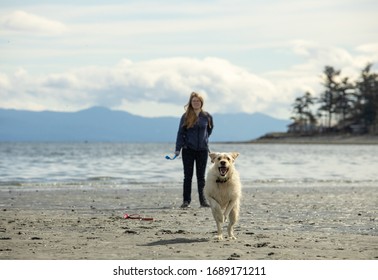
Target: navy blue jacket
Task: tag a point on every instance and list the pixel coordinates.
(196, 137)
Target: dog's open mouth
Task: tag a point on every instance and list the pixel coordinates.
(223, 171)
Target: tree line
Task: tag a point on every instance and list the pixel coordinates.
(344, 105)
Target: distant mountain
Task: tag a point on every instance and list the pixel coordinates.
(98, 124)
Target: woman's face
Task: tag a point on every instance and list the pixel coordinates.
(196, 103)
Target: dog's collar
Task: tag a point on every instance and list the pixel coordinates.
(222, 180)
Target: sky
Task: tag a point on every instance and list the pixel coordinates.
(146, 57)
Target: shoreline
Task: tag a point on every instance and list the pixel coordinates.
(283, 138)
(276, 223)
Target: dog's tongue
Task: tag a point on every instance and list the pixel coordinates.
(223, 170)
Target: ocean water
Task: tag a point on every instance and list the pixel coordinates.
(97, 165)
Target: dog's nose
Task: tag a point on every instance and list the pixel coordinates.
(223, 162)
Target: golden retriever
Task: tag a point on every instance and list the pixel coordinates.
(223, 191)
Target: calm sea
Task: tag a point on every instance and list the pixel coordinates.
(72, 165)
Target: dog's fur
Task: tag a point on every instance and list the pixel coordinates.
(223, 191)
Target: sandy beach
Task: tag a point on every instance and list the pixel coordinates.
(281, 223)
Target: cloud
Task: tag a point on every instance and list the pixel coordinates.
(369, 52)
(226, 87)
(4, 82)
(368, 48)
(318, 56)
(317, 52)
(161, 87)
(21, 21)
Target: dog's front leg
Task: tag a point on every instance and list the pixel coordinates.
(218, 216)
(231, 204)
(233, 218)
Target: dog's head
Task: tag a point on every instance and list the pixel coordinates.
(224, 162)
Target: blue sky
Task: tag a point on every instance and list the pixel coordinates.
(146, 57)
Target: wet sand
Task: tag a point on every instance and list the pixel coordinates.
(276, 223)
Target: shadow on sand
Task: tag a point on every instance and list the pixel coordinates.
(176, 241)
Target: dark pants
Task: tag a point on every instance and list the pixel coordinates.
(188, 158)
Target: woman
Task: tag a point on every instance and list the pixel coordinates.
(193, 134)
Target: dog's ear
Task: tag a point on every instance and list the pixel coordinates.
(234, 155)
(213, 156)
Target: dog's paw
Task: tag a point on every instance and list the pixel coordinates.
(218, 237)
(232, 237)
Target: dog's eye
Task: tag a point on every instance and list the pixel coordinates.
(219, 158)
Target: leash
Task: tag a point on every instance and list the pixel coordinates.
(170, 158)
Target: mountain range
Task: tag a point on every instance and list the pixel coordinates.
(99, 124)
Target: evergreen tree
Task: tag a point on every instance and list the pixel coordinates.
(344, 99)
(329, 97)
(367, 88)
(302, 111)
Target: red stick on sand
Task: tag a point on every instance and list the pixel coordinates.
(137, 217)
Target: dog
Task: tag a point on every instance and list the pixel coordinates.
(223, 191)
